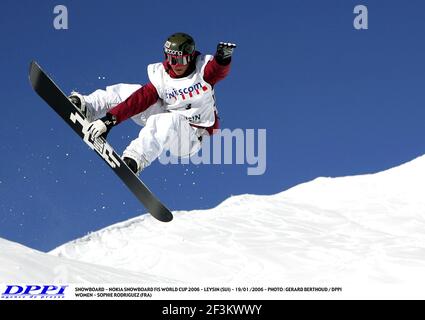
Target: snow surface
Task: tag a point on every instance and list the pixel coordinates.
(20, 264)
(359, 230)
(362, 228)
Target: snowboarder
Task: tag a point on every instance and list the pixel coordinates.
(176, 107)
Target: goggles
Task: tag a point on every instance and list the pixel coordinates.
(181, 60)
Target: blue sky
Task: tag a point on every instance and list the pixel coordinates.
(335, 101)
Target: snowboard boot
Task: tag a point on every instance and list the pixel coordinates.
(134, 165)
(78, 100)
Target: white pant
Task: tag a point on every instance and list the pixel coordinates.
(162, 130)
(100, 102)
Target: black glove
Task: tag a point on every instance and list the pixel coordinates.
(224, 52)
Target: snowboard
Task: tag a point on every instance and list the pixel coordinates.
(44, 86)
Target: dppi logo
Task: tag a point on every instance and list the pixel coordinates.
(34, 291)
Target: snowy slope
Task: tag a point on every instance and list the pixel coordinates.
(19, 264)
(360, 229)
